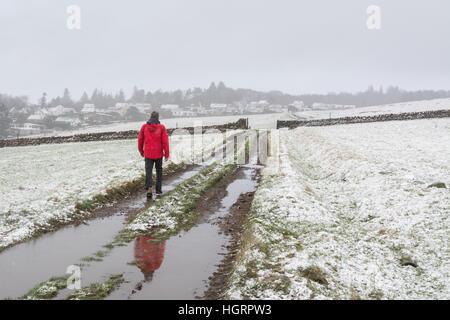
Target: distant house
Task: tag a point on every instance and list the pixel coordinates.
(143, 107)
(322, 106)
(21, 113)
(122, 107)
(257, 106)
(38, 118)
(88, 108)
(60, 110)
(170, 107)
(206, 112)
(218, 108)
(99, 117)
(325, 106)
(296, 106)
(194, 108)
(27, 129)
(15, 111)
(231, 108)
(67, 122)
(183, 113)
(275, 108)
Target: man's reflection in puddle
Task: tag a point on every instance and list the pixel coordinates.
(149, 255)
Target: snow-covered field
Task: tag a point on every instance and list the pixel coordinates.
(40, 185)
(266, 121)
(257, 121)
(413, 106)
(348, 213)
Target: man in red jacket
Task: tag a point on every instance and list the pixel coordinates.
(153, 144)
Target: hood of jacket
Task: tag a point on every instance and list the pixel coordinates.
(153, 124)
(151, 120)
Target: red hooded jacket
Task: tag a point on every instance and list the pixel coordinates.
(153, 141)
(149, 255)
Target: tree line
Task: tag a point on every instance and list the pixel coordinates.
(215, 93)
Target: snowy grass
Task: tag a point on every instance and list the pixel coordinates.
(349, 214)
(47, 290)
(98, 291)
(402, 107)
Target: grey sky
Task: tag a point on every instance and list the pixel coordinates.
(290, 45)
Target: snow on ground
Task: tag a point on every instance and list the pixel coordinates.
(257, 121)
(413, 106)
(266, 121)
(41, 184)
(350, 205)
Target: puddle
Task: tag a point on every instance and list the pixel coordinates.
(177, 268)
(24, 266)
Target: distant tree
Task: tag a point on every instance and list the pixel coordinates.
(177, 97)
(78, 105)
(84, 98)
(43, 100)
(5, 121)
(120, 97)
(66, 100)
(55, 102)
(138, 95)
(133, 114)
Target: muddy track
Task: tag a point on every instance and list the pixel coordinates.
(222, 213)
(134, 202)
(194, 263)
(233, 226)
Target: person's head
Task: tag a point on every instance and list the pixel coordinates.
(148, 275)
(154, 115)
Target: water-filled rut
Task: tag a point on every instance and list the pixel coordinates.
(180, 267)
(27, 264)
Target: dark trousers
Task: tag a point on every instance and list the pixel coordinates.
(149, 172)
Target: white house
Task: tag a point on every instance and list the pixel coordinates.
(27, 129)
(275, 108)
(122, 107)
(88, 108)
(60, 110)
(232, 109)
(67, 121)
(143, 107)
(183, 113)
(297, 105)
(170, 107)
(206, 112)
(218, 106)
(37, 118)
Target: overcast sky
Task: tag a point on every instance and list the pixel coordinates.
(290, 45)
